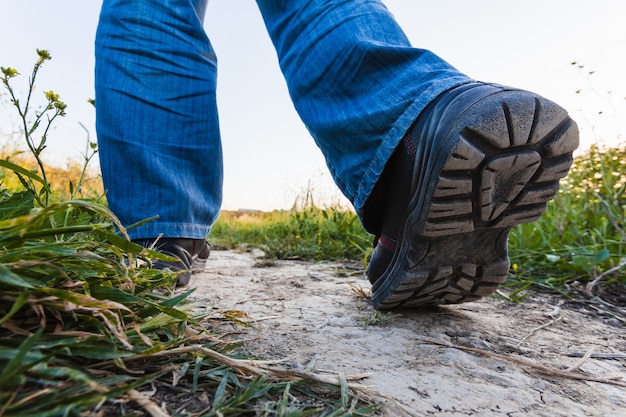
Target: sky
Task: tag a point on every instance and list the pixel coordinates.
(269, 157)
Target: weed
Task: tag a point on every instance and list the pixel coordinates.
(35, 124)
(53, 108)
(378, 318)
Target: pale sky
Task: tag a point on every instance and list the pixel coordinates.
(269, 156)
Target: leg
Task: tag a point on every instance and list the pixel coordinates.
(157, 124)
(356, 82)
(437, 166)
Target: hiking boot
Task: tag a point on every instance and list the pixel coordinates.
(479, 159)
(192, 255)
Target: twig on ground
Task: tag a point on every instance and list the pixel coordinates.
(536, 329)
(580, 363)
(250, 366)
(607, 308)
(536, 366)
(609, 356)
(259, 367)
(503, 294)
(265, 318)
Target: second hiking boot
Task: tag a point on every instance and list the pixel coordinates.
(191, 253)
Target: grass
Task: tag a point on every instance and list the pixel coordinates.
(580, 237)
(72, 180)
(88, 328)
(377, 318)
(83, 327)
(308, 232)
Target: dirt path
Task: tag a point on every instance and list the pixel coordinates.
(304, 312)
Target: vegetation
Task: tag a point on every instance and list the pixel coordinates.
(88, 328)
(75, 179)
(580, 237)
(307, 232)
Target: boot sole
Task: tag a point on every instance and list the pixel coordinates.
(497, 166)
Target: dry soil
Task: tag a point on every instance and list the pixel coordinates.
(415, 361)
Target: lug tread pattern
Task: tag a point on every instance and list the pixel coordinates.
(502, 171)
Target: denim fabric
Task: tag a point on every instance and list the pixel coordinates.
(353, 76)
(156, 116)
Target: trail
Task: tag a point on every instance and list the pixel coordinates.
(487, 358)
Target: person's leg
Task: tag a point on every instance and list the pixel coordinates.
(356, 82)
(157, 122)
(437, 166)
(157, 125)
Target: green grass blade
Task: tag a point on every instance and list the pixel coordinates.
(10, 279)
(196, 373)
(84, 300)
(220, 393)
(26, 173)
(20, 301)
(10, 371)
(18, 204)
(122, 243)
(123, 297)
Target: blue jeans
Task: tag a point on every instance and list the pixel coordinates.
(353, 76)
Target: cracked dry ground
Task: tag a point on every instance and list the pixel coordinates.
(305, 312)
